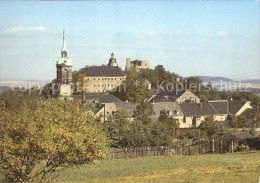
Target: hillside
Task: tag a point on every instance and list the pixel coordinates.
(214, 78)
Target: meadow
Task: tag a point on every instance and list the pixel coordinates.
(236, 167)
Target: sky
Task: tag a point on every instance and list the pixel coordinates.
(189, 38)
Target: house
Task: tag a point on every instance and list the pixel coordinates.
(179, 96)
(109, 104)
(225, 108)
(100, 79)
(222, 108)
(142, 80)
(173, 110)
(195, 113)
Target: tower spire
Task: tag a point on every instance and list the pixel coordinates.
(64, 51)
(64, 42)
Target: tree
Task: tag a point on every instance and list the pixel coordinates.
(56, 133)
(135, 91)
(13, 100)
(79, 81)
(237, 121)
(117, 128)
(139, 134)
(143, 112)
(164, 130)
(211, 128)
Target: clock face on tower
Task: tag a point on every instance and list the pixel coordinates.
(65, 90)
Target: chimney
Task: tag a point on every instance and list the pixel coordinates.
(200, 104)
(126, 101)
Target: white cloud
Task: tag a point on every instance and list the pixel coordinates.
(222, 34)
(18, 30)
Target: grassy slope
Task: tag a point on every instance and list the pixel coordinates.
(237, 167)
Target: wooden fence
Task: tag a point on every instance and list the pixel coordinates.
(134, 152)
(220, 146)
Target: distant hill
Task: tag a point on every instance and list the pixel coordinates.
(252, 81)
(213, 78)
(4, 88)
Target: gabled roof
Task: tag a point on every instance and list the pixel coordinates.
(221, 106)
(102, 98)
(235, 106)
(194, 109)
(172, 107)
(168, 96)
(104, 71)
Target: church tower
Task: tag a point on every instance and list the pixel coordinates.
(64, 73)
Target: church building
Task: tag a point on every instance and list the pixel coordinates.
(64, 73)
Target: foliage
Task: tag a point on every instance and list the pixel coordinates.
(256, 119)
(246, 96)
(57, 133)
(131, 89)
(143, 112)
(13, 100)
(139, 134)
(237, 121)
(210, 127)
(197, 134)
(117, 128)
(164, 130)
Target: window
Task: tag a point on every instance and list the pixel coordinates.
(111, 78)
(115, 78)
(94, 78)
(94, 85)
(107, 78)
(108, 85)
(98, 78)
(102, 78)
(112, 85)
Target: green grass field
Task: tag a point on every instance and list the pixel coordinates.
(237, 167)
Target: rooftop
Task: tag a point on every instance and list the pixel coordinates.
(104, 71)
(167, 96)
(102, 98)
(194, 109)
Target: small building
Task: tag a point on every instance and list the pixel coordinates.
(179, 96)
(141, 80)
(222, 108)
(136, 64)
(195, 113)
(109, 104)
(173, 110)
